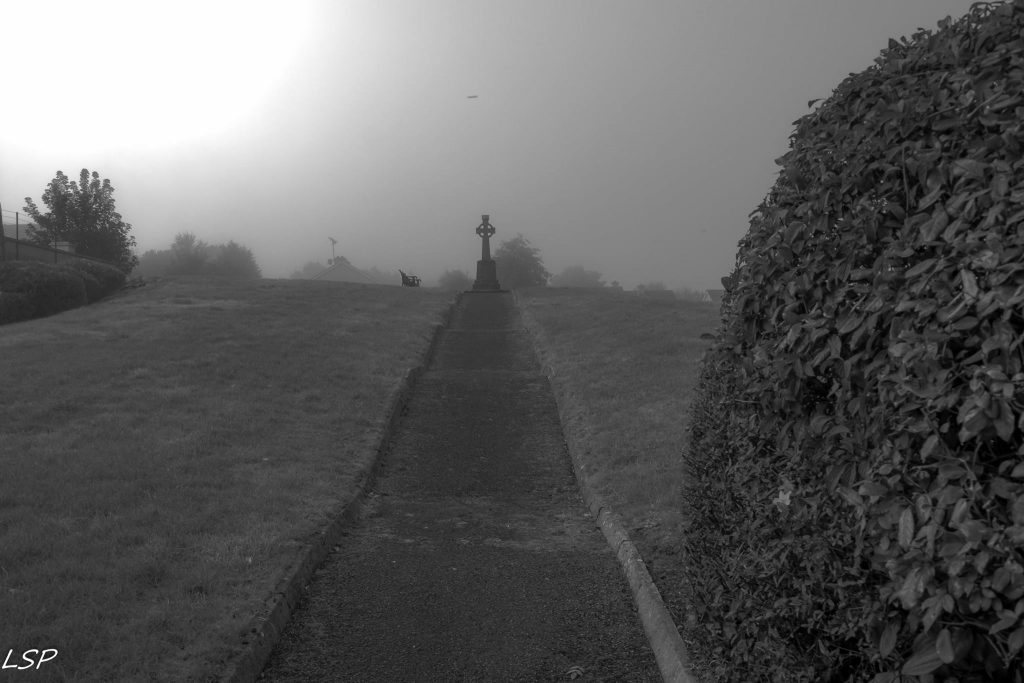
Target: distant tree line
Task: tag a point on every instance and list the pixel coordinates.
(456, 280)
(520, 265)
(577, 276)
(687, 294)
(188, 255)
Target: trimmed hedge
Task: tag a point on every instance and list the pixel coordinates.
(15, 307)
(93, 289)
(110, 278)
(856, 453)
(41, 289)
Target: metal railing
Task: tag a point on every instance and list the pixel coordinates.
(18, 250)
(14, 248)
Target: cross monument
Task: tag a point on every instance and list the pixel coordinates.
(486, 268)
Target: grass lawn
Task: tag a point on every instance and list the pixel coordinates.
(624, 370)
(164, 451)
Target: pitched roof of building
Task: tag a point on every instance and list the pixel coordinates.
(343, 271)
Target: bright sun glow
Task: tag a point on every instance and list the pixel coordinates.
(139, 74)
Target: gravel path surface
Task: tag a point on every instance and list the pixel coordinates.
(474, 558)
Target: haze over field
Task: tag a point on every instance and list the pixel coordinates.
(632, 138)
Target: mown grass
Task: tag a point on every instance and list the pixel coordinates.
(624, 369)
(164, 452)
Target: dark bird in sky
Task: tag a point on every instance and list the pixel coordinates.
(472, 97)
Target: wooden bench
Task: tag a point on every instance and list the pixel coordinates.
(409, 280)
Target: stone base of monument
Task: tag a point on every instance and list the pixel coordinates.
(486, 276)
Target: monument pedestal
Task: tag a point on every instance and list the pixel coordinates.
(486, 267)
(486, 276)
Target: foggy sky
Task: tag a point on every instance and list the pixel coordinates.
(629, 137)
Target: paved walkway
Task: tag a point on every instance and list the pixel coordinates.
(474, 559)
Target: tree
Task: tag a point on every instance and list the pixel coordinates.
(235, 260)
(190, 255)
(687, 294)
(456, 280)
(577, 276)
(520, 264)
(154, 263)
(83, 214)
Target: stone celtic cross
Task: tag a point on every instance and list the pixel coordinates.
(486, 268)
(486, 231)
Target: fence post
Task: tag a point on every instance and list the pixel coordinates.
(3, 236)
(17, 238)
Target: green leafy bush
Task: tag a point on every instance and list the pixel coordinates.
(15, 307)
(857, 443)
(93, 289)
(51, 288)
(110, 278)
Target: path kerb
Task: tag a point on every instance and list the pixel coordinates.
(264, 630)
(661, 630)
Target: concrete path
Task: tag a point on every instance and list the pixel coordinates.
(474, 558)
